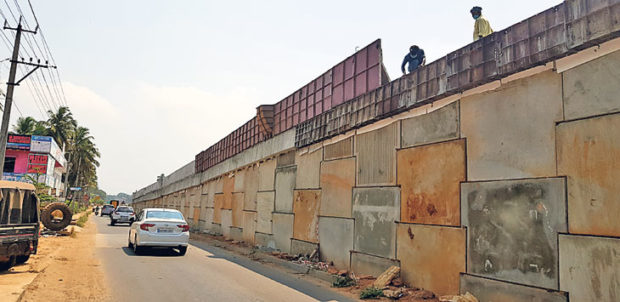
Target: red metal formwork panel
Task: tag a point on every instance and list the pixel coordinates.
(473, 64)
(514, 48)
(431, 81)
(548, 34)
(590, 21)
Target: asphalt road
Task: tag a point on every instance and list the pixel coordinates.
(205, 273)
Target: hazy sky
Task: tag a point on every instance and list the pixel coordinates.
(159, 81)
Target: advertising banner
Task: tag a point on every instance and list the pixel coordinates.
(37, 169)
(37, 159)
(41, 144)
(18, 142)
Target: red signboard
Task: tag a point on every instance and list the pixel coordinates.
(37, 159)
(37, 169)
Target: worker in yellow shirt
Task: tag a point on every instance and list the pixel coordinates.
(482, 28)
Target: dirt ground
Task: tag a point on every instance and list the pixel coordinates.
(69, 269)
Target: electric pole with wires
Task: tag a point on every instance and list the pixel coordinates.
(6, 114)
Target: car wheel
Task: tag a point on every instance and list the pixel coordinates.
(182, 250)
(136, 249)
(22, 259)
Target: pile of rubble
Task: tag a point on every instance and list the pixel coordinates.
(311, 261)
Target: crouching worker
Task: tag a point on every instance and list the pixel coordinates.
(414, 58)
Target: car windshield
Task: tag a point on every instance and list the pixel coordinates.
(124, 209)
(107, 206)
(164, 215)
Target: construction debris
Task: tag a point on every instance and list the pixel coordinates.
(386, 277)
(398, 282)
(423, 294)
(467, 297)
(395, 294)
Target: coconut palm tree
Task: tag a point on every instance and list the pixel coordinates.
(25, 125)
(84, 155)
(60, 124)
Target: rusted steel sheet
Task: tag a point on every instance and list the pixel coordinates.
(237, 209)
(590, 267)
(250, 187)
(283, 231)
(429, 177)
(264, 208)
(588, 153)
(229, 187)
(500, 145)
(376, 211)
(431, 257)
(249, 226)
(218, 201)
(285, 184)
(336, 240)
(337, 181)
(266, 175)
(306, 210)
(376, 155)
(308, 165)
(492, 290)
(512, 229)
(341, 149)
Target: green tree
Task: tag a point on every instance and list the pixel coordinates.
(84, 155)
(25, 125)
(60, 124)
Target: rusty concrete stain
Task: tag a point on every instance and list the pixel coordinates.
(588, 154)
(590, 267)
(433, 259)
(249, 226)
(492, 290)
(237, 209)
(337, 182)
(430, 178)
(228, 188)
(306, 210)
(341, 149)
(506, 138)
(513, 228)
(218, 201)
(376, 155)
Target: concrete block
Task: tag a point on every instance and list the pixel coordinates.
(266, 175)
(236, 233)
(283, 231)
(219, 185)
(506, 137)
(492, 290)
(587, 90)
(341, 149)
(430, 178)
(337, 182)
(250, 188)
(306, 210)
(265, 240)
(216, 229)
(229, 187)
(364, 264)
(588, 153)
(211, 193)
(208, 216)
(439, 125)
(431, 257)
(226, 223)
(203, 204)
(249, 226)
(512, 229)
(286, 159)
(264, 208)
(376, 155)
(239, 184)
(308, 167)
(237, 209)
(285, 184)
(299, 247)
(218, 200)
(590, 268)
(336, 240)
(375, 211)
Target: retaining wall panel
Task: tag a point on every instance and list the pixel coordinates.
(493, 290)
(513, 227)
(308, 168)
(590, 268)
(266, 175)
(250, 188)
(226, 223)
(376, 155)
(218, 200)
(249, 226)
(236, 233)
(306, 210)
(341, 149)
(300, 247)
(237, 209)
(283, 231)
(506, 137)
(439, 125)
(363, 264)
(337, 182)
(430, 178)
(228, 188)
(336, 240)
(285, 184)
(588, 153)
(431, 257)
(375, 211)
(264, 240)
(264, 209)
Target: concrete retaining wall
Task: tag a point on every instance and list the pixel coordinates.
(509, 190)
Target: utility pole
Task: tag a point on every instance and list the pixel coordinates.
(6, 114)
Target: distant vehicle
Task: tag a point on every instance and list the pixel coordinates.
(19, 223)
(107, 209)
(122, 214)
(159, 228)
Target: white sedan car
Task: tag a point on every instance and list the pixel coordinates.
(159, 228)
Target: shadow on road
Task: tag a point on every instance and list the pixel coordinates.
(157, 252)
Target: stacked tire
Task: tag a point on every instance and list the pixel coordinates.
(50, 222)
